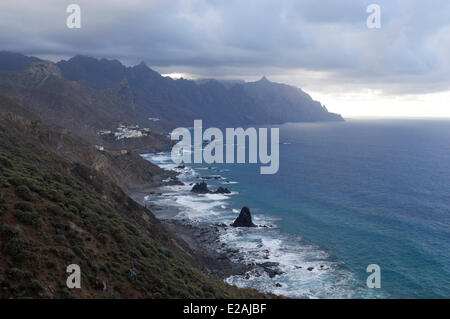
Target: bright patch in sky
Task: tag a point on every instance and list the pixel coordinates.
(371, 104)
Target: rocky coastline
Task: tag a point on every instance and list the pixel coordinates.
(218, 259)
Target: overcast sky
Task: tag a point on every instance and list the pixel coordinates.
(322, 46)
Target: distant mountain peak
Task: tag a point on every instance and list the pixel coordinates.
(142, 70)
(80, 57)
(142, 67)
(93, 72)
(264, 80)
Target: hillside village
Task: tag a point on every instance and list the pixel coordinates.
(126, 131)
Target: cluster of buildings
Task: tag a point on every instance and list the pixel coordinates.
(126, 131)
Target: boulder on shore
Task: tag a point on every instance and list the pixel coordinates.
(244, 219)
(200, 188)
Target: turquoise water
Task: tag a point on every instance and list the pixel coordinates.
(347, 195)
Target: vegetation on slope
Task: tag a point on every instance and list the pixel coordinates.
(54, 213)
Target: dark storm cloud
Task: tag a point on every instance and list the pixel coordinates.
(248, 38)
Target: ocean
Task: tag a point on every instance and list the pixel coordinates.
(346, 195)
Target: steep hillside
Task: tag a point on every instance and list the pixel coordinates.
(84, 111)
(55, 212)
(126, 170)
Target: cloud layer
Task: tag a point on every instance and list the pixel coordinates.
(325, 44)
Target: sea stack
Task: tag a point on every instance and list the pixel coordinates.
(200, 188)
(244, 219)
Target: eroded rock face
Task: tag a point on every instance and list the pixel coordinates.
(244, 219)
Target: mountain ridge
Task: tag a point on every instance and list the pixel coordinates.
(179, 102)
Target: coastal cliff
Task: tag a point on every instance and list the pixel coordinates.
(58, 207)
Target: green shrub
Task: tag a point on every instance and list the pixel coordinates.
(102, 238)
(56, 210)
(60, 239)
(35, 286)
(28, 218)
(17, 274)
(119, 236)
(53, 195)
(24, 206)
(133, 230)
(75, 202)
(7, 232)
(50, 265)
(16, 249)
(24, 192)
(5, 162)
(73, 209)
(18, 180)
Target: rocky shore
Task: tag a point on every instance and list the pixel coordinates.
(218, 259)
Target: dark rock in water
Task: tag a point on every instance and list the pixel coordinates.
(271, 268)
(181, 166)
(173, 181)
(222, 190)
(273, 272)
(278, 285)
(310, 268)
(244, 219)
(232, 251)
(269, 264)
(210, 177)
(200, 188)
